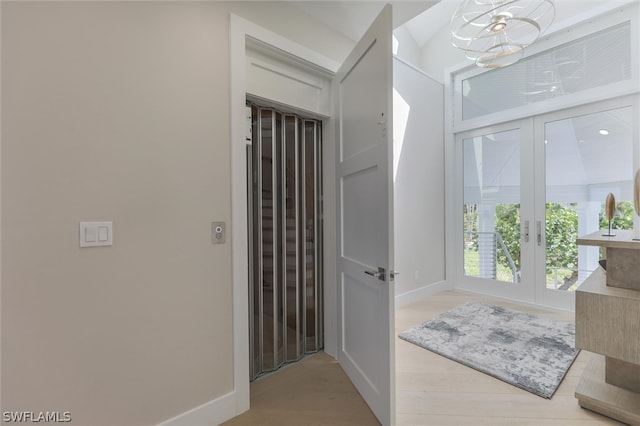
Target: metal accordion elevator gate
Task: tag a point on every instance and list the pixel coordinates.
(284, 165)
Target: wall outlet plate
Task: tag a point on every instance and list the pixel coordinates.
(218, 232)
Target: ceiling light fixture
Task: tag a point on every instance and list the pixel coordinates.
(604, 132)
(494, 33)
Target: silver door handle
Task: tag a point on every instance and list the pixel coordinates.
(525, 234)
(539, 232)
(378, 274)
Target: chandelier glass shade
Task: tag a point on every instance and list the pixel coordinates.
(495, 33)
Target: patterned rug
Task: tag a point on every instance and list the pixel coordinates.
(527, 351)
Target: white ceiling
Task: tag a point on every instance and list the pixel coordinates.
(352, 18)
(579, 155)
(422, 18)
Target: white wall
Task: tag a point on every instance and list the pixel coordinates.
(438, 54)
(119, 111)
(405, 47)
(418, 182)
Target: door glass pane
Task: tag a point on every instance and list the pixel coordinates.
(491, 207)
(587, 157)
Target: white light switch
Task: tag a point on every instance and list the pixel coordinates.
(96, 234)
(103, 233)
(89, 235)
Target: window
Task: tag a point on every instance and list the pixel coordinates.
(593, 61)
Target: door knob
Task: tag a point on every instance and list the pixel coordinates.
(379, 274)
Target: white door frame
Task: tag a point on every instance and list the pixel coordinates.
(240, 29)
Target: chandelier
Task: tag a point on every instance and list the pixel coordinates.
(495, 33)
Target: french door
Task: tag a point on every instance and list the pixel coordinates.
(582, 154)
(531, 187)
(495, 211)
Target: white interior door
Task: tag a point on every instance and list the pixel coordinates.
(363, 96)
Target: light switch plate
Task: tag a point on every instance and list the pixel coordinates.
(96, 234)
(218, 232)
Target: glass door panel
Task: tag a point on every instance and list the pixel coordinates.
(491, 208)
(496, 171)
(585, 158)
(531, 187)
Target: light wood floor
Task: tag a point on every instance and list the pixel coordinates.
(314, 391)
(430, 389)
(433, 390)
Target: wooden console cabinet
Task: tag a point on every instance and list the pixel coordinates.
(608, 324)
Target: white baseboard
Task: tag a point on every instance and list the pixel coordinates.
(213, 412)
(422, 292)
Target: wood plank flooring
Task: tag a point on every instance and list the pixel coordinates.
(433, 390)
(430, 389)
(314, 391)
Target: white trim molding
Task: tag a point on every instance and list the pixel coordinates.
(422, 293)
(213, 412)
(239, 233)
(294, 83)
(243, 31)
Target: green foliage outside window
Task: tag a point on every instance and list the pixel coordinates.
(508, 226)
(623, 218)
(561, 233)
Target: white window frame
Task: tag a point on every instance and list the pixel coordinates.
(620, 15)
(598, 20)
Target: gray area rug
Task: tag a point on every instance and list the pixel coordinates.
(527, 351)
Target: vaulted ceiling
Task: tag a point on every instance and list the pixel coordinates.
(422, 18)
(578, 154)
